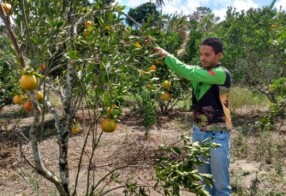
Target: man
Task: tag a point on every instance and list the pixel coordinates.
(211, 85)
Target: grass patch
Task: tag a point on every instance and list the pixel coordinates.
(241, 97)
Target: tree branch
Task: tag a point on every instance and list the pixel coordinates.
(27, 31)
(7, 21)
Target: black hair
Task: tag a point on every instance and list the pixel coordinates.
(215, 43)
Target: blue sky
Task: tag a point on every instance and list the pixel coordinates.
(218, 7)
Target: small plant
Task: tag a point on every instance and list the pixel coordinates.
(147, 109)
(176, 169)
(277, 108)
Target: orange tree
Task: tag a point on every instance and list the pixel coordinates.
(7, 72)
(170, 32)
(253, 48)
(91, 64)
(55, 51)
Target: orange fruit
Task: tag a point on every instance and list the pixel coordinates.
(149, 86)
(42, 67)
(28, 106)
(108, 125)
(17, 99)
(152, 68)
(87, 23)
(107, 28)
(39, 96)
(137, 45)
(7, 8)
(75, 130)
(166, 84)
(165, 96)
(28, 82)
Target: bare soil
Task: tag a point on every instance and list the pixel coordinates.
(126, 145)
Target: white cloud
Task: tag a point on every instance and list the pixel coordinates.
(221, 8)
(244, 5)
(132, 4)
(281, 4)
(180, 7)
(218, 7)
(221, 13)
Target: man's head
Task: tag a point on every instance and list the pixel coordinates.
(210, 52)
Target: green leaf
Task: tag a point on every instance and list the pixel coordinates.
(73, 54)
(177, 150)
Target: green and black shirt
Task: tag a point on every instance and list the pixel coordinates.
(210, 93)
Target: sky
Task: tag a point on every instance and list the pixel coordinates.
(218, 7)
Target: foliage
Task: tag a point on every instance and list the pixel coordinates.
(85, 65)
(96, 66)
(191, 55)
(170, 41)
(134, 189)
(141, 13)
(241, 97)
(278, 86)
(8, 74)
(252, 51)
(7, 81)
(202, 24)
(147, 108)
(176, 169)
(277, 109)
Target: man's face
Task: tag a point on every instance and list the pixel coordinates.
(208, 57)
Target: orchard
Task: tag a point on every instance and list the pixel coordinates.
(72, 59)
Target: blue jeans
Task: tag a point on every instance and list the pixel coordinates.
(218, 163)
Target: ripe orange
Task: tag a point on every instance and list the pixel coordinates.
(39, 96)
(165, 96)
(87, 23)
(152, 68)
(75, 129)
(166, 84)
(17, 99)
(42, 67)
(137, 45)
(28, 82)
(28, 106)
(108, 125)
(7, 8)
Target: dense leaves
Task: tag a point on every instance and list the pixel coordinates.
(176, 169)
(141, 13)
(99, 64)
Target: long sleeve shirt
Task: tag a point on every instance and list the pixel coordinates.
(210, 93)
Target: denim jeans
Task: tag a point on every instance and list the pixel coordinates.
(218, 163)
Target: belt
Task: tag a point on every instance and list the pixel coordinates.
(213, 127)
(214, 131)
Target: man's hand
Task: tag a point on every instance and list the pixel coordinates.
(160, 51)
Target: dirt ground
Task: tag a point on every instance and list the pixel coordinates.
(126, 145)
